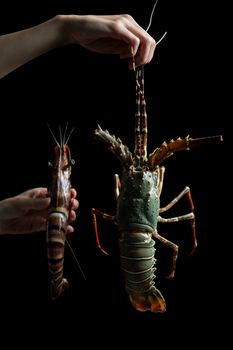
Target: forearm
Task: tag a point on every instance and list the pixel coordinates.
(21, 47)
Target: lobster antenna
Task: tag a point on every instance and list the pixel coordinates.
(157, 42)
(64, 137)
(76, 260)
(151, 15)
(150, 21)
(60, 133)
(69, 136)
(53, 135)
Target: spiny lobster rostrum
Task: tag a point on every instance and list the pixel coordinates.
(138, 205)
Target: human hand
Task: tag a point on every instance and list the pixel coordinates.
(28, 211)
(110, 34)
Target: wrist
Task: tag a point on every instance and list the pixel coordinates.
(57, 30)
(63, 27)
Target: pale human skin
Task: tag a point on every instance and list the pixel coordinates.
(108, 34)
(28, 211)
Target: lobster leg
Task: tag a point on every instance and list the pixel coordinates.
(186, 190)
(171, 245)
(190, 216)
(96, 212)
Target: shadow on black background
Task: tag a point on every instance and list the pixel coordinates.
(70, 84)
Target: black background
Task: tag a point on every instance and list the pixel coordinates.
(184, 86)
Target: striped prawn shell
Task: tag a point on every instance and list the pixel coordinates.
(58, 218)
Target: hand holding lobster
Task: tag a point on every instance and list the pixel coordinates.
(28, 211)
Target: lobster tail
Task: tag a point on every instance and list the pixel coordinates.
(152, 301)
(137, 263)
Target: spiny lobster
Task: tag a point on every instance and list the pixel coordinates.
(138, 205)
